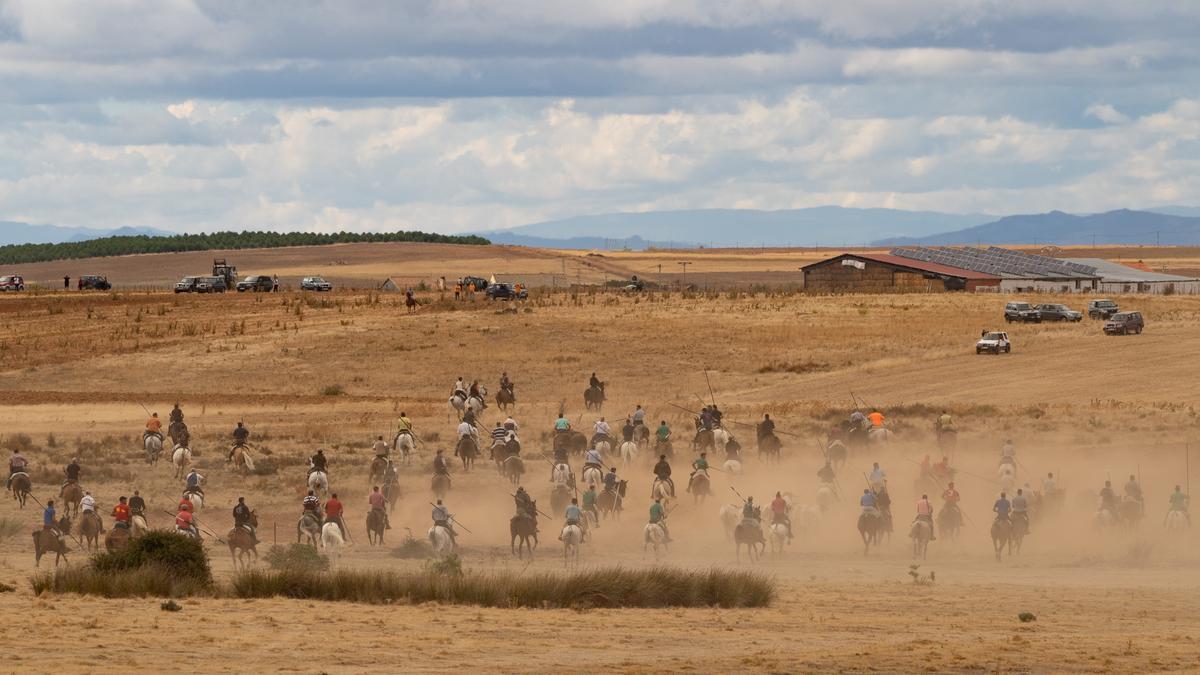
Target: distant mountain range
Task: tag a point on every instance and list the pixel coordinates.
(1114, 227)
(24, 233)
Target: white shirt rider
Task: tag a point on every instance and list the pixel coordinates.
(601, 427)
(512, 422)
(593, 457)
(465, 429)
(460, 387)
(878, 475)
(88, 503)
(1048, 485)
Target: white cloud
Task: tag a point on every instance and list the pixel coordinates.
(1106, 113)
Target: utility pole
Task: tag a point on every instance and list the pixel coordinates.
(684, 278)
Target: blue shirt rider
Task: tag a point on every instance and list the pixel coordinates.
(1002, 507)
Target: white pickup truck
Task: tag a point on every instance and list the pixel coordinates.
(995, 342)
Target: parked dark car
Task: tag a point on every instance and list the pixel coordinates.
(258, 283)
(1124, 323)
(505, 291)
(94, 282)
(201, 285)
(12, 283)
(1102, 309)
(1058, 313)
(480, 284)
(1021, 311)
(315, 284)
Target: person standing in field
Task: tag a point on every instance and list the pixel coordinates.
(458, 288)
(67, 283)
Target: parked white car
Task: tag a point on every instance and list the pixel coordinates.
(995, 342)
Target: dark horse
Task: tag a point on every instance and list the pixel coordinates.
(524, 528)
(375, 527)
(593, 397)
(609, 501)
(505, 398)
(870, 527)
(467, 450)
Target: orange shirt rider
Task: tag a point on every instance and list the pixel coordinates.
(154, 424)
(876, 419)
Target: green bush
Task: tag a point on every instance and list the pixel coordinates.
(412, 547)
(183, 556)
(296, 557)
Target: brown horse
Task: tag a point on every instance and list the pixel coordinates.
(242, 543)
(22, 487)
(116, 539)
(378, 466)
(525, 529)
(440, 484)
(391, 493)
(45, 541)
(505, 398)
(608, 502)
(375, 527)
(467, 450)
(749, 534)
(90, 528)
(242, 462)
(1002, 536)
(71, 494)
(870, 528)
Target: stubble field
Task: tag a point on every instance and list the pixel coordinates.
(333, 371)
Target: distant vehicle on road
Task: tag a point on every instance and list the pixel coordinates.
(315, 284)
(1101, 309)
(201, 285)
(1124, 323)
(1021, 311)
(993, 342)
(481, 284)
(505, 291)
(256, 283)
(1056, 312)
(12, 283)
(227, 272)
(94, 282)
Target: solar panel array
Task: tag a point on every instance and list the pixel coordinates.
(997, 261)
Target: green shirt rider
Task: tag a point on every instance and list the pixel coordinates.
(589, 503)
(663, 433)
(700, 464)
(658, 516)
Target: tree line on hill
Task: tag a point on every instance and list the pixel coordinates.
(129, 245)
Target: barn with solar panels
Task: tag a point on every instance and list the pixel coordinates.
(884, 273)
(1016, 270)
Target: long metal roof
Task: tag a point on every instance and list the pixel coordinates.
(1000, 262)
(909, 263)
(1116, 272)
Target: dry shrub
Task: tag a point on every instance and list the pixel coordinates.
(9, 527)
(149, 580)
(611, 587)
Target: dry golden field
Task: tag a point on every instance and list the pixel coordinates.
(332, 371)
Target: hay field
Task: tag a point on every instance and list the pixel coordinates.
(75, 371)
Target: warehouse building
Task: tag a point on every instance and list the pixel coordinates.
(1117, 278)
(1018, 272)
(884, 273)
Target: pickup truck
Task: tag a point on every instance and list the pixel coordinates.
(993, 342)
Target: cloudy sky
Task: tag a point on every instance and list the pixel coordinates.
(470, 114)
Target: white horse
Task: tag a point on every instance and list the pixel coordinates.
(332, 541)
(733, 466)
(880, 435)
(603, 447)
(572, 537)
(1177, 521)
(309, 525)
(629, 453)
(154, 447)
(730, 515)
(196, 499)
(826, 497)
(478, 403)
(458, 403)
(592, 475)
(318, 482)
(405, 446)
(439, 539)
(661, 490)
(1007, 475)
(654, 535)
(721, 438)
(181, 459)
(779, 533)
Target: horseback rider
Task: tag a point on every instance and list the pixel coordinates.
(510, 424)
(1020, 508)
(404, 425)
(1008, 453)
(192, 482)
(1134, 491)
(945, 422)
(884, 501)
(16, 464)
(663, 433)
(505, 383)
(137, 505)
(1049, 485)
(50, 519)
(333, 513)
(749, 510)
(524, 504)
(1002, 507)
(1179, 502)
(379, 503)
(176, 416)
(876, 419)
(858, 420)
(716, 414)
(877, 477)
(610, 480)
(185, 522)
(766, 427)
(499, 434)
(476, 392)
(706, 419)
(380, 447)
(153, 427)
(589, 502)
(639, 416)
(441, 465)
(662, 470)
(826, 474)
(925, 513)
(951, 496)
(241, 518)
(311, 504)
(700, 464)
(868, 503)
(658, 516)
(601, 431)
(942, 470)
(779, 512)
(72, 474)
(574, 516)
(241, 435)
(88, 505)
(318, 462)
(443, 518)
(595, 382)
(1108, 498)
(562, 425)
(468, 430)
(460, 388)
(593, 458)
(627, 430)
(120, 514)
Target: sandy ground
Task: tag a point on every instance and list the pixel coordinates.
(75, 372)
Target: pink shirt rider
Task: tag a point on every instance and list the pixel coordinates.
(376, 500)
(924, 508)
